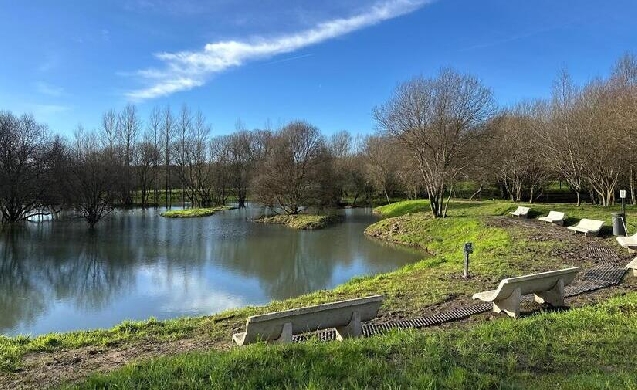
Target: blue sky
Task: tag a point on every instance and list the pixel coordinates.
(328, 62)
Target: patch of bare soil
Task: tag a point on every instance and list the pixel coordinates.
(46, 370)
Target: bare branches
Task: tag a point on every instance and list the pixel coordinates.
(433, 118)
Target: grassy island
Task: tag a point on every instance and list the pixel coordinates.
(302, 221)
(194, 213)
(588, 346)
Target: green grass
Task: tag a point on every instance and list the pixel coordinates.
(302, 221)
(194, 213)
(584, 348)
(460, 208)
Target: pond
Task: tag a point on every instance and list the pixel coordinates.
(59, 276)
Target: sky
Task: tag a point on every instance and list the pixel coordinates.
(262, 62)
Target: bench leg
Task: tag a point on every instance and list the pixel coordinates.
(239, 338)
(353, 329)
(510, 305)
(286, 333)
(554, 296)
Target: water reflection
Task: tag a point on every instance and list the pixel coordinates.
(59, 276)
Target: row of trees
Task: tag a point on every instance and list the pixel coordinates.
(127, 161)
(433, 134)
(451, 131)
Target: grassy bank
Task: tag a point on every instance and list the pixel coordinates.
(303, 221)
(500, 208)
(584, 348)
(194, 213)
(502, 248)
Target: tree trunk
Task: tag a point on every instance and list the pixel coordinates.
(633, 196)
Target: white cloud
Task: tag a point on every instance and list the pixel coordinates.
(189, 69)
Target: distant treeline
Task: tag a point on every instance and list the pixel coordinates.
(435, 136)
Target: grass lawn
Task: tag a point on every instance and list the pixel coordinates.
(194, 213)
(584, 348)
(538, 350)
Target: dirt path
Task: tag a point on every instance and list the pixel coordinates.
(50, 369)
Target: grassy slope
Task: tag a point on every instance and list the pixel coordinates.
(585, 348)
(499, 253)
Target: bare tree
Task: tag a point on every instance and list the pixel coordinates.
(92, 178)
(516, 154)
(23, 146)
(297, 171)
(623, 81)
(130, 124)
(242, 162)
(153, 133)
(381, 163)
(184, 130)
(145, 162)
(432, 118)
(167, 132)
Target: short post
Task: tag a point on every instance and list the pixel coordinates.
(468, 249)
(622, 195)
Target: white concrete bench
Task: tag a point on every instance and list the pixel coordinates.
(547, 286)
(633, 266)
(587, 226)
(521, 211)
(553, 217)
(346, 316)
(629, 243)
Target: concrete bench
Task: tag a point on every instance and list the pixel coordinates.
(629, 243)
(547, 286)
(553, 217)
(587, 226)
(521, 211)
(633, 266)
(346, 316)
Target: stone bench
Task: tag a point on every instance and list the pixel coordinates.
(553, 217)
(521, 211)
(587, 226)
(345, 316)
(633, 266)
(547, 286)
(629, 243)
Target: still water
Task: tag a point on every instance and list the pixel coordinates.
(59, 276)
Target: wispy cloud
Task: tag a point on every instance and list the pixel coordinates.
(186, 70)
(294, 58)
(48, 89)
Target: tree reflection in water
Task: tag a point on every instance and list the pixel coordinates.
(59, 276)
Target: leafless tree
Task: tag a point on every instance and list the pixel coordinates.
(184, 130)
(23, 166)
(153, 132)
(130, 124)
(432, 118)
(167, 133)
(381, 163)
(92, 177)
(297, 172)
